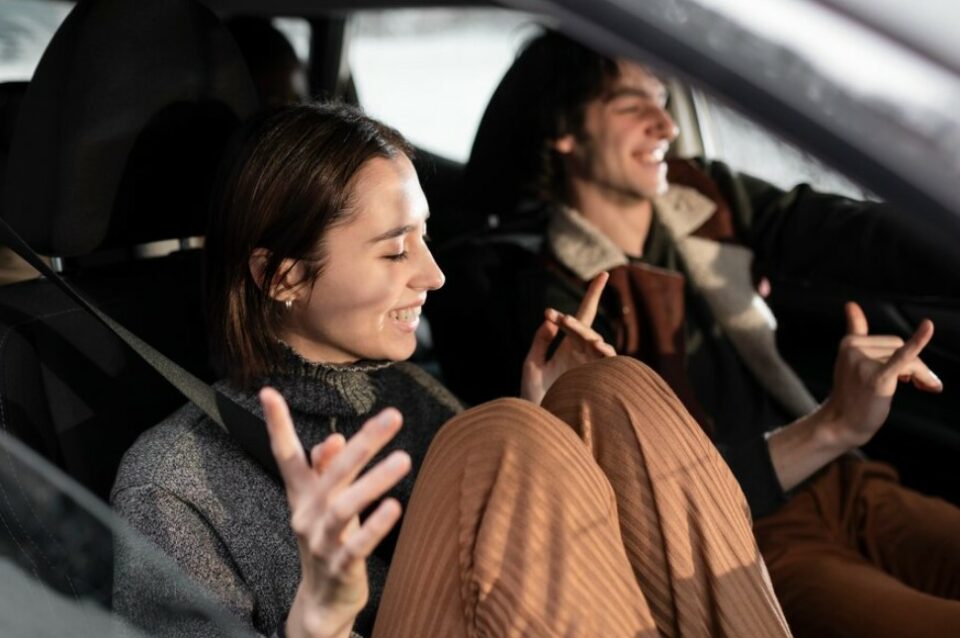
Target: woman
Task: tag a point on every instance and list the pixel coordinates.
(595, 506)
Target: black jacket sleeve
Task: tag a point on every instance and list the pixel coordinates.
(802, 235)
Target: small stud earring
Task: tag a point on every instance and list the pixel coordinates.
(288, 303)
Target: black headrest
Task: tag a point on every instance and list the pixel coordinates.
(11, 97)
(122, 126)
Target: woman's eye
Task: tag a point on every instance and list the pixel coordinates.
(397, 257)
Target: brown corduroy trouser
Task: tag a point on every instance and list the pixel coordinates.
(856, 554)
(605, 513)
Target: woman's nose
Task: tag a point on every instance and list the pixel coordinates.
(429, 277)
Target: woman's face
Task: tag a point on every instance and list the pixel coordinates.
(366, 302)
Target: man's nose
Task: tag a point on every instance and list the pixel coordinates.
(663, 125)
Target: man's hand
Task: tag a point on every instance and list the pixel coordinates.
(325, 501)
(580, 345)
(865, 379)
(866, 374)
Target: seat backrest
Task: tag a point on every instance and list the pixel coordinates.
(137, 101)
(475, 319)
(12, 268)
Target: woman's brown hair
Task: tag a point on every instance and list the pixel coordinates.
(287, 183)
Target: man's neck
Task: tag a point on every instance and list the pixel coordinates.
(624, 220)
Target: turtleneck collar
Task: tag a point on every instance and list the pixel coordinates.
(324, 388)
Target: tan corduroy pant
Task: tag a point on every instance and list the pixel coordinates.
(605, 513)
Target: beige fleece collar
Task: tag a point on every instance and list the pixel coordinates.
(586, 251)
(580, 246)
(683, 210)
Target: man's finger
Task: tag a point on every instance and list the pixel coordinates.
(904, 357)
(856, 320)
(284, 443)
(872, 341)
(927, 381)
(591, 301)
(362, 447)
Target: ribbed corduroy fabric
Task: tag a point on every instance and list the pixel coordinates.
(606, 512)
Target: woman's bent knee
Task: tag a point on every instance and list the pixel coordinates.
(510, 431)
(612, 377)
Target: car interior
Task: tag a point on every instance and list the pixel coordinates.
(108, 157)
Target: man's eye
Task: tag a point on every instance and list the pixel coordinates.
(397, 257)
(628, 108)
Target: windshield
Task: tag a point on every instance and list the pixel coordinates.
(26, 27)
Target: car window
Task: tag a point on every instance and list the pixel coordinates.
(297, 31)
(750, 148)
(61, 555)
(878, 108)
(26, 27)
(431, 72)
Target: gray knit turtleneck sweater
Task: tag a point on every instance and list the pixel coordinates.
(188, 487)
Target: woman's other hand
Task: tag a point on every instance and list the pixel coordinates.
(580, 345)
(325, 501)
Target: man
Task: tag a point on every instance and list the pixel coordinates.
(279, 76)
(583, 138)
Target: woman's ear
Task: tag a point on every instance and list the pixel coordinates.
(564, 145)
(288, 281)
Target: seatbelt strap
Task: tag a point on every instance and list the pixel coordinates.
(249, 430)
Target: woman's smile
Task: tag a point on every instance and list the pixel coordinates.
(407, 319)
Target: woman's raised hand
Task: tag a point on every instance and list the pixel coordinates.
(325, 501)
(580, 345)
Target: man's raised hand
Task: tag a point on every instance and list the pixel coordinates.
(866, 375)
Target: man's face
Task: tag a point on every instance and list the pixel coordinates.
(626, 132)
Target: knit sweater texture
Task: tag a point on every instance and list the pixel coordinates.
(189, 487)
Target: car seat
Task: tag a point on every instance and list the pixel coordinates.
(117, 145)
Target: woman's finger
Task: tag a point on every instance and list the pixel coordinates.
(363, 446)
(587, 311)
(575, 328)
(359, 544)
(284, 442)
(606, 349)
(323, 453)
(543, 338)
(360, 494)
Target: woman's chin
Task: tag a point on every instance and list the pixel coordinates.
(400, 351)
